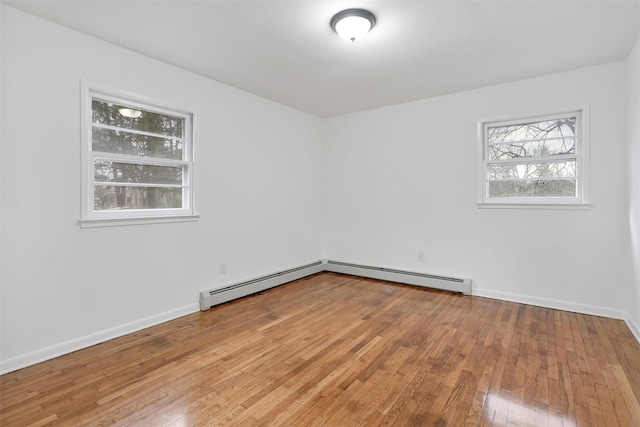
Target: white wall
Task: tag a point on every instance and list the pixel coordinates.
(1, 227)
(403, 180)
(259, 175)
(634, 179)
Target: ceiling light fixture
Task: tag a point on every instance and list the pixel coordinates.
(353, 24)
(129, 112)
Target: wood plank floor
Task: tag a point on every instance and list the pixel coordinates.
(335, 350)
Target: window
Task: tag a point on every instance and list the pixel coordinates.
(138, 160)
(538, 160)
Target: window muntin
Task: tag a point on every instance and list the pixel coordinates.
(535, 160)
(138, 159)
(114, 141)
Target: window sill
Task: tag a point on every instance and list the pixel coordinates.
(119, 222)
(552, 206)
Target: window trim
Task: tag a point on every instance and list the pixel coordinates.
(582, 156)
(90, 218)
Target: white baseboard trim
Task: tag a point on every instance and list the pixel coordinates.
(56, 350)
(562, 305)
(552, 303)
(633, 326)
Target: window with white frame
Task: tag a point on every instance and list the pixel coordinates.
(536, 160)
(138, 159)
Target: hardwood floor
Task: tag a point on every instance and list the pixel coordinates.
(335, 350)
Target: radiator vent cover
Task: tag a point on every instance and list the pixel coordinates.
(453, 284)
(213, 297)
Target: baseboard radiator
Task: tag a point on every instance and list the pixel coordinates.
(453, 284)
(238, 290)
(213, 297)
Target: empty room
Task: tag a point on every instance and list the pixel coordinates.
(320, 213)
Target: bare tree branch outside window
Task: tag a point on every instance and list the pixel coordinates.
(532, 159)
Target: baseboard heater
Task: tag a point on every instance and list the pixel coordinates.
(238, 290)
(452, 284)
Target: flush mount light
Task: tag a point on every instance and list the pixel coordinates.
(353, 24)
(129, 112)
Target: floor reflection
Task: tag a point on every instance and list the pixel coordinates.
(505, 412)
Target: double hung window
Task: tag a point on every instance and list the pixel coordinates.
(138, 159)
(538, 160)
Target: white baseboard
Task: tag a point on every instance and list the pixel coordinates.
(552, 303)
(53, 351)
(633, 326)
(562, 305)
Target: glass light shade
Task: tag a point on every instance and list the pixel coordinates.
(129, 112)
(353, 24)
(353, 28)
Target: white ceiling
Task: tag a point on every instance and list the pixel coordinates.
(286, 51)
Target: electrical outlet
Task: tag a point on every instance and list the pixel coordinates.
(420, 256)
(223, 267)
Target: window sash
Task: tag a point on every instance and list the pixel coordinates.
(135, 160)
(137, 132)
(524, 141)
(577, 157)
(544, 178)
(138, 160)
(556, 158)
(88, 211)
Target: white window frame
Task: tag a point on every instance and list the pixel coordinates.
(92, 218)
(581, 201)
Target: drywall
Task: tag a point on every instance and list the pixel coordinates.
(402, 180)
(258, 174)
(1, 227)
(634, 179)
